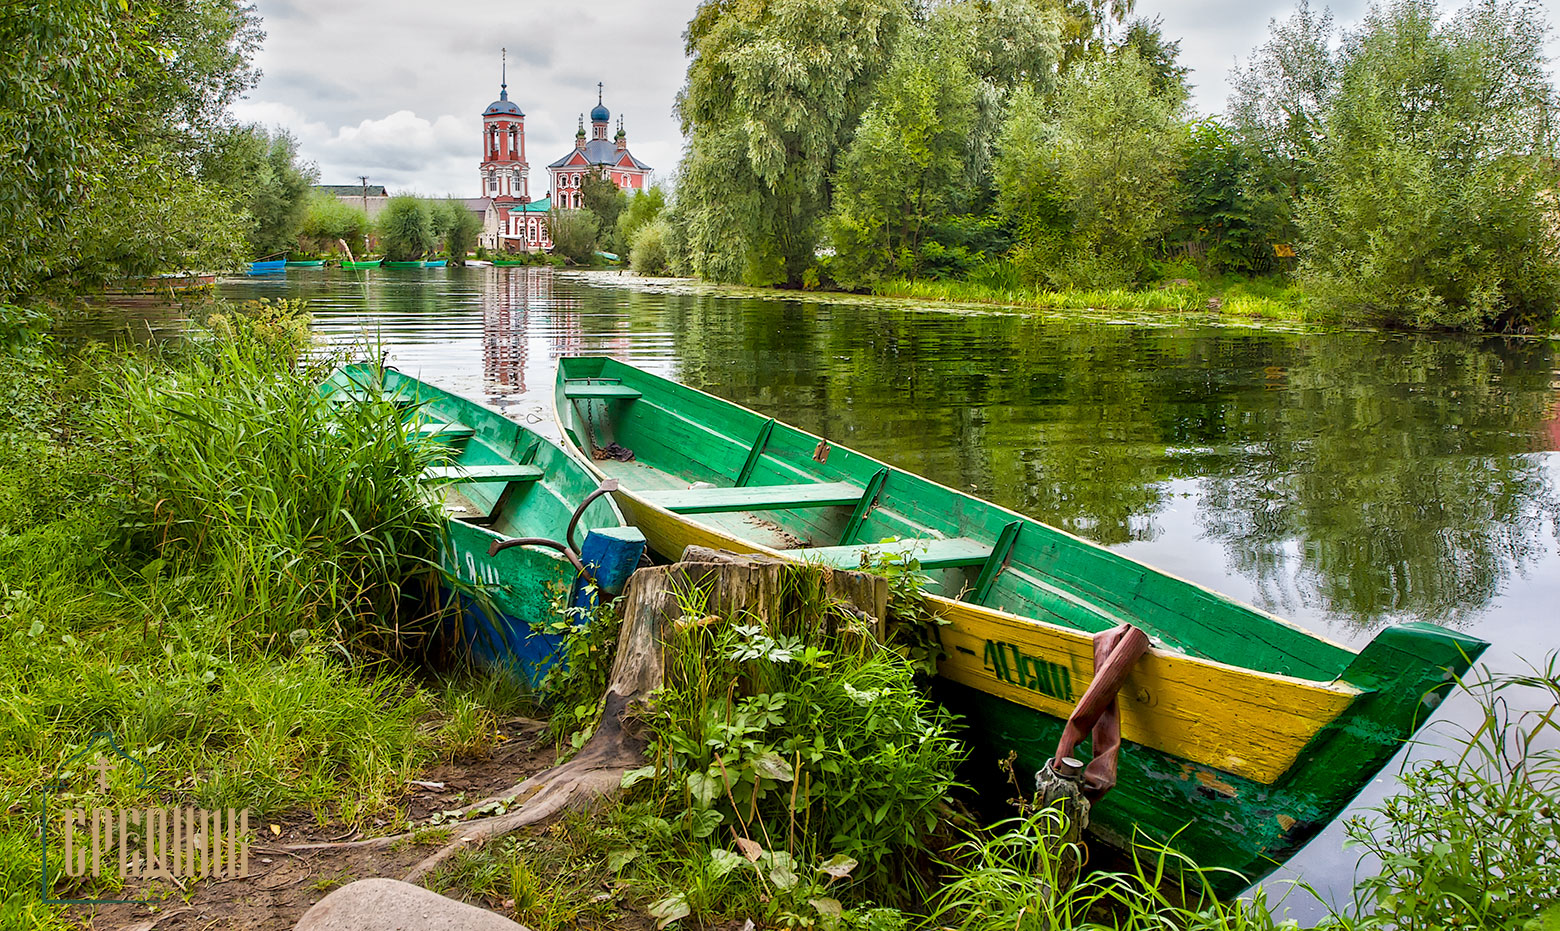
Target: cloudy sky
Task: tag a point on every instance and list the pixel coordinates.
(394, 90)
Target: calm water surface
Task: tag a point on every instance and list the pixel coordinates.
(1343, 480)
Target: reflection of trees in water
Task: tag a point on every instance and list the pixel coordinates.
(1370, 476)
(1391, 478)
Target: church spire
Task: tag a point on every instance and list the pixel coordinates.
(503, 86)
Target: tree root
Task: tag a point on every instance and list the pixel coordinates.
(652, 601)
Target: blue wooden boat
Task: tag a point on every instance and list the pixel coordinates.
(268, 267)
(436, 263)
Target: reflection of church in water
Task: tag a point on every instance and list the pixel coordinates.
(520, 304)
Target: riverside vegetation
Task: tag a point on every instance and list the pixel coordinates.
(193, 560)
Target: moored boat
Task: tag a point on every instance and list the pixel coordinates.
(365, 263)
(436, 263)
(268, 267)
(499, 483)
(412, 263)
(1243, 734)
(305, 263)
(506, 263)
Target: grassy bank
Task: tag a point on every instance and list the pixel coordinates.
(194, 560)
(1246, 299)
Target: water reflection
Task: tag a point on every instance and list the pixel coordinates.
(1342, 479)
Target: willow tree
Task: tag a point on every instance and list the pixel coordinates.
(906, 166)
(774, 92)
(1435, 175)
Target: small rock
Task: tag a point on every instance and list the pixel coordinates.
(392, 905)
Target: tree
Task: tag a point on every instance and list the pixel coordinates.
(1086, 27)
(773, 94)
(262, 174)
(648, 252)
(905, 167)
(1092, 184)
(61, 162)
(604, 199)
(574, 234)
(1161, 56)
(461, 229)
(406, 229)
(1224, 207)
(1435, 171)
(643, 207)
(327, 220)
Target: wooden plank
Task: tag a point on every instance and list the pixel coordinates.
(755, 452)
(576, 392)
(931, 554)
(503, 472)
(754, 498)
(864, 506)
(994, 565)
(436, 430)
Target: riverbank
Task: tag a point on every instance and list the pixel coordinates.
(1251, 299)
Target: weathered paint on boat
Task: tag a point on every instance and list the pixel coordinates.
(521, 584)
(1243, 734)
(366, 263)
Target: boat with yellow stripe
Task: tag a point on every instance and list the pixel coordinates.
(1243, 734)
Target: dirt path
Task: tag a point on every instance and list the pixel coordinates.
(282, 885)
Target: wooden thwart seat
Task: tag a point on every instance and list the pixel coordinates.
(755, 497)
(504, 472)
(436, 430)
(578, 392)
(931, 554)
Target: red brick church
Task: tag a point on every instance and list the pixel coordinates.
(522, 222)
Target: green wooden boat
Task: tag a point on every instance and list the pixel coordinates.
(499, 482)
(305, 263)
(506, 263)
(365, 263)
(1243, 734)
(415, 263)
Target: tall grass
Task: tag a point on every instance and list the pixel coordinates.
(310, 512)
(1241, 299)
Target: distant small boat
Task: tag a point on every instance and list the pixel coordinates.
(305, 263)
(477, 263)
(436, 263)
(415, 263)
(366, 263)
(507, 262)
(268, 267)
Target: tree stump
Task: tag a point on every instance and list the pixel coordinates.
(755, 587)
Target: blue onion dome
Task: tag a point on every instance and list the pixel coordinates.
(600, 114)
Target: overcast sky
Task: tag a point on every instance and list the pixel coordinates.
(395, 90)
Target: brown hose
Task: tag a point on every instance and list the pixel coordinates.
(1115, 652)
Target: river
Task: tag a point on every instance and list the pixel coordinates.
(1342, 479)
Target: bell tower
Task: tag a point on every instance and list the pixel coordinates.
(503, 167)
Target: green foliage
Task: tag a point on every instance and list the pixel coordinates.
(1432, 207)
(329, 221)
(1471, 843)
(649, 253)
(1221, 215)
(461, 229)
(805, 738)
(85, 199)
(310, 514)
(643, 207)
(766, 117)
(574, 234)
(1092, 183)
(261, 173)
(574, 687)
(604, 199)
(407, 228)
(905, 166)
(1145, 38)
